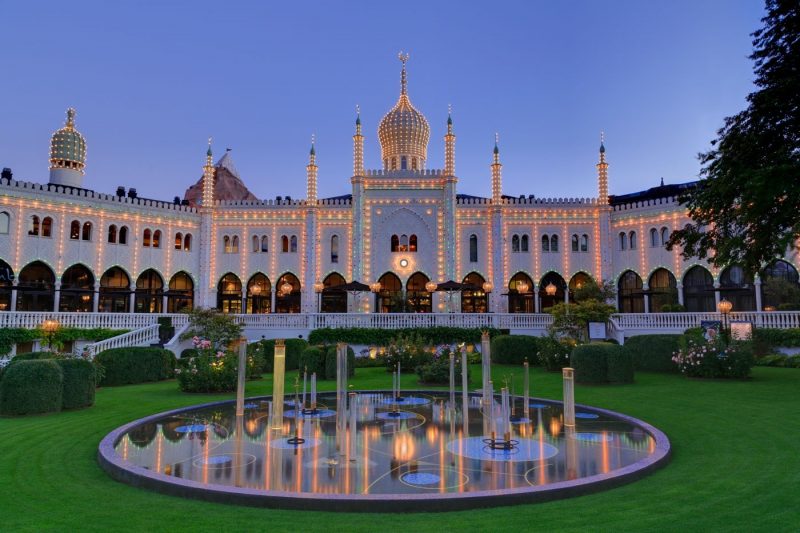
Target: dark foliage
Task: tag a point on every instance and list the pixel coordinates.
(31, 387)
(124, 366)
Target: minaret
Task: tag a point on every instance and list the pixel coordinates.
(449, 146)
(311, 175)
(497, 174)
(67, 154)
(602, 175)
(205, 294)
(358, 147)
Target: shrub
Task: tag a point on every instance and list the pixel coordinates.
(312, 360)
(408, 351)
(135, 365)
(213, 371)
(437, 370)
(715, 360)
(553, 353)
(294, 348)
(653, 353)
(775, 359)
(620, 365)
(514, 349)
(590, 362)
(330, 362)
(189, 352)
(384, 337)
(31, 387)
(30, 356)
(79, 382)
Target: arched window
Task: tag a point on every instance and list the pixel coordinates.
(545, 300)
(740, 290)
(293, 244)
(115, 291)
(157, 238)
(112, 234)
(520, 294)
(664, 236)
(289, 301)
(473, 248)
(663, 289)
(75, 230)
(403, 163)
(575, 243)
(623, 241)
(146, 238)
(123, 235)
(418, 298)
(515, 243)
(284, 244)
(403, 243)
(653, 237)
(523, 244)
(180, 296)
(632, 240)
(333, 299)
(5, 222)
(545, 243)
(229, 294)
(395, 243)
(412, 243)
(473, 299)
(259, 295)
(6, 286)
(235, 244)
(178, 240)
(698, 290)
(86, 234)
(36, 288)
(187, 242)
(629, 292)
(335, 249)
(34, 229)
(256, 246)
(264, 244)
(390, 299)
(584, 243)
(226, 244)
(77, 290)
(779, 285)
(149, 292)
(47, 227)
(554, 243)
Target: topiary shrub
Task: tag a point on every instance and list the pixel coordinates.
(294, 348)
(514, 349)
(553, 352)
(590, 362)
(330, 362)
(30, 387)
(653, 353)
(31, 356)
(79, 383)
(312, 360)
(124, 366)
(619, 364)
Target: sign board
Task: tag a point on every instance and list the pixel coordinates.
(741, 330)
(597, 330)
(711, 329)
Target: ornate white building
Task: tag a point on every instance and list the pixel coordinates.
(402, 230)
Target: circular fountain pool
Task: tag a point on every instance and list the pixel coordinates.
(425, 453)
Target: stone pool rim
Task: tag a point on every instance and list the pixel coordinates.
(130, 474)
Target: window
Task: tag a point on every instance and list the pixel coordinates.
(413, 163)
(584, 243)
(554, 243)
(86, 234)
(157, 238)
(575, 244)
(226, 244)
(264, 244)
(123, 235)
(146, 238)
(335, 249)
(403, 163)
(403, 243)
(112, 234)
(395, 243)
(653, 237)
(47, 227)
(75, 230)
(473, 248)
(412, 243)
(235, 244)
(187, 242)
(545, 243)
(293, 244)
(5, 222)
(632, 240)
(623, 241)
(515, 243)
(178, 241)
(256, 244)
(34, 229)
(523, 244)
(284, 244)
(664, 236)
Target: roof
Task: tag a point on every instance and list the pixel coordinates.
(662, 191)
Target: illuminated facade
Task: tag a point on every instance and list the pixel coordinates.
(401, 230)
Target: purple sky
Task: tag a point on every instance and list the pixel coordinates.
(152, 80)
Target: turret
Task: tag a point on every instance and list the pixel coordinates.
(208, 179)
(450, 146)
(602, 175)
(311, 175)
(497, 173)
(67, 154)
(358, 147)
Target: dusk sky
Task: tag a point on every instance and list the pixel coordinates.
(151, 81)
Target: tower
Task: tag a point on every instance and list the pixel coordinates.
(311, 240)
(602, 175)
(450, 146)
(358, 147)
(496, 216)
(206, 291)
(67, 154)
(311, 175)
(604, 216)
(497, 173)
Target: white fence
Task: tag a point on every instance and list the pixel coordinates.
(139, 337)
(681, 321)
(30, 320)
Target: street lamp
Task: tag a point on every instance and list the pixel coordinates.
(50, 327)
(724, 307)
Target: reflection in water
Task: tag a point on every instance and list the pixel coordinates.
(432, 447)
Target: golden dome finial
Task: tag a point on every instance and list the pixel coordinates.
(70, 118)
(403, 83)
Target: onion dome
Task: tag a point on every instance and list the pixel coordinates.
(404, 132)
(68, 147)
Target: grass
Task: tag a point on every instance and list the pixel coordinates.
(735, 466)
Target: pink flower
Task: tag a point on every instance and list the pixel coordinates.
(220, 355)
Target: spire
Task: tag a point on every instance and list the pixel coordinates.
(449, 115)
(209, 153)
(450, 145)
(358, 146)
(496, 148)
(70, 124)
(311, 174)
(497, 173)
(602, 173)
(403, 59)
(312, 152)
(358, 119)
(207, 201)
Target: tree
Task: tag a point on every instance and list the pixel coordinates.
(210, 324)
(746, 210)
(591, 290)
(573, 320)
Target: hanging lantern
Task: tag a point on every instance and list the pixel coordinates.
(319, 287)
(522, 287)
(256, 289)
(430, 286)
(375, 287)
(551, 289)
(286, 288)
(487, 286)
(725, 306)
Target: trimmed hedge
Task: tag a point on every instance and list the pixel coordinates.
(30, 387)
(513, 349)
(32, 356)
(330, 362)
(294, 348)
(79, 383)
(383, 337)
(653, 353)
(313, 361)
(125, 366)
(602, 363)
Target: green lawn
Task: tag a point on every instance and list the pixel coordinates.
(735, 466)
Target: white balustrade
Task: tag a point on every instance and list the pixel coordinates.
(139, 337)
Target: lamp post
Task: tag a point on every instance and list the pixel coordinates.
(431, 288)
(318, 287)
(724, 307)
(375, 288)
(487, 289)
(50, 327)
